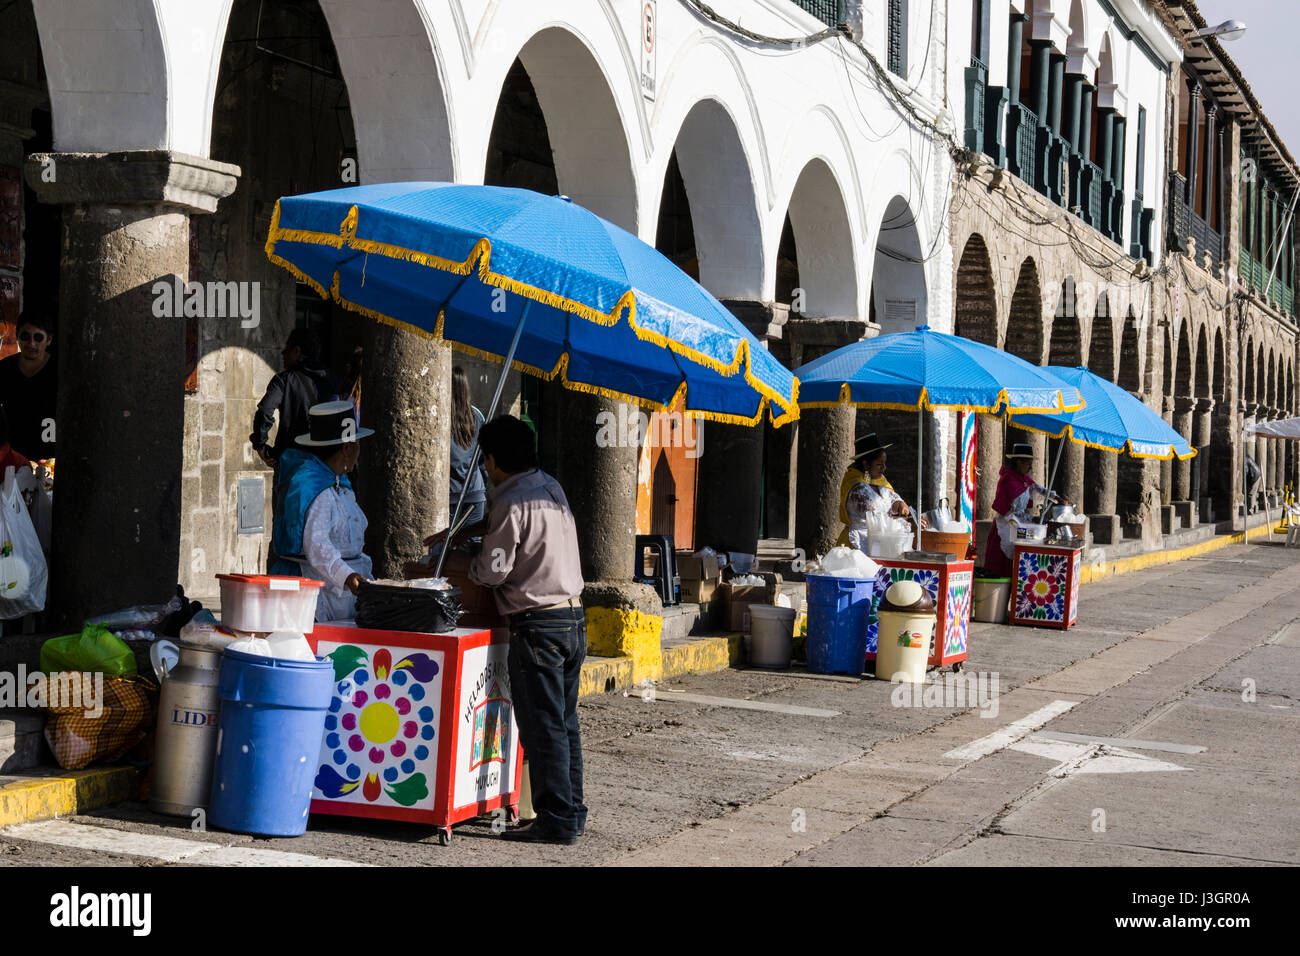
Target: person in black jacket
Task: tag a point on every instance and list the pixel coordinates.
(303, 383)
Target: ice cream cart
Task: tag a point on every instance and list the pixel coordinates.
(420, 728)
(949, 585)
(1045, 589)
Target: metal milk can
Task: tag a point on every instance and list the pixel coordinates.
(187, 731)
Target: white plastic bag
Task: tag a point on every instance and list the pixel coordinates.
(23, 573)
(289, 646)
(252, 645)
(843, 562)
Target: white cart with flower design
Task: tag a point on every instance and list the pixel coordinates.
(1045, 590)
(421, 727)
(948, 582)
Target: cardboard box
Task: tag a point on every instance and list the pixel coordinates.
(736, 600)
(692, 568)
(698, 592)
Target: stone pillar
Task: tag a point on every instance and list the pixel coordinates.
(1101, 494)
(1224, 463)
(988, 454)
(1087, 91)
(1184, 406)
(825, 437)
(1202, 435)
(1055, 83)
(1209, 187)
(1167, 467)
(600, 484)
(1105, 140)
(1015, 41)
(1040, 71)
(1193, 142)
(1069, 480)
(120, 412)
(1073, 106)
(406, 465)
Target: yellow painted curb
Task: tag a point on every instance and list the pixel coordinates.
(614, 632)
(1099, 569)
(40, 797)
(604, 675)
(701, 656)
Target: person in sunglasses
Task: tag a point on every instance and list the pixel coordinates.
(28, 389)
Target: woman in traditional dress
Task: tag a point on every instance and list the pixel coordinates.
(865, 490)
(321, 530)
(1017, 493)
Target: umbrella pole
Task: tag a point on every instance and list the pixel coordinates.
(920, 464)
(1051, 483)
(460, 515)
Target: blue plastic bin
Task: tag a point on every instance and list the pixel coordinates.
(839, 610)
(272, 722)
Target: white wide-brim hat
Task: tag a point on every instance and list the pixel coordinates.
(332, 423)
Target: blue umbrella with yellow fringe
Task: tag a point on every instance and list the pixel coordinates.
(928, 370)
(535, 281)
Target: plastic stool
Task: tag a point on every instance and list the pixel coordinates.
(663, 578)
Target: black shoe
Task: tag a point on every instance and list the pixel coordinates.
(532, 833)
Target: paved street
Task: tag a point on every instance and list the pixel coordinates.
(1162, 730)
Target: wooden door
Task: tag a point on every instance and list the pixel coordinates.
(667, 477)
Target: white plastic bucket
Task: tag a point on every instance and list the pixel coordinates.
(990, 599)
(771, 636)
(264, 603)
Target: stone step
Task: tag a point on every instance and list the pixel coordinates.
(22, 743)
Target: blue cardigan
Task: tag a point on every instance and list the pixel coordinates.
(303, 477)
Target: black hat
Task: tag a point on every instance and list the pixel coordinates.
(867, 446)
(1021, 449)
(332, 423)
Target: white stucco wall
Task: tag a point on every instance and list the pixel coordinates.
(757, 126)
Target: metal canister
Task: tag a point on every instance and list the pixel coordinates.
(187, 732)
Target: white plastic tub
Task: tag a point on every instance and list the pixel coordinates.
(771, 636)
(889, 544)
(259, 602)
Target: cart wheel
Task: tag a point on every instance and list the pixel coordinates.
(444, 836)
(512, 814)
(956, 668)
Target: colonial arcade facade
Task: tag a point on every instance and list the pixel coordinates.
(799, 170)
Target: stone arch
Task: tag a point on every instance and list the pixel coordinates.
(1183, 368)
(823, 241)
(1130, 356)
(1101, 348)
(1066, 345)
(585, 127)
(1024, 336)
(899, 297)
(975, 307)
(719, 185)
(1220, 390)
(109, 83)
(1202, 378)
(1248, 370)
(394, 74)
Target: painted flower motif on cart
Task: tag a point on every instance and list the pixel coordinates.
(379, 726)
(957, 628)
(1039, 587)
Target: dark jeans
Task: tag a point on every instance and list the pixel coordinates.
(546, 653)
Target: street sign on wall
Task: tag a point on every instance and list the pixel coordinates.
(649, 37)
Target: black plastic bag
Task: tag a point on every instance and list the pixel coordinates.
(387, 607)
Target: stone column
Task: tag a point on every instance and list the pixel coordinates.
(1184, 406)
(1209, 187)
(825, 437)
(1069, 480)
(1202, 437)
(988, 454)
(1015, 41)
(406, 466)
(1055, 82)
(1100, 495)
(1085, 119)
(121, 354)
(1105, 141)
(1193, 142)
(1167, 467)
(1073, 107)
(1040, 71)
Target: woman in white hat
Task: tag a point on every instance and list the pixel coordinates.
(321, 529)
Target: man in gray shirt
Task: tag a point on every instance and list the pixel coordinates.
(530, 557)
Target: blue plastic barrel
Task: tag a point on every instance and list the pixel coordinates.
(272, 722)
(839, 610)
